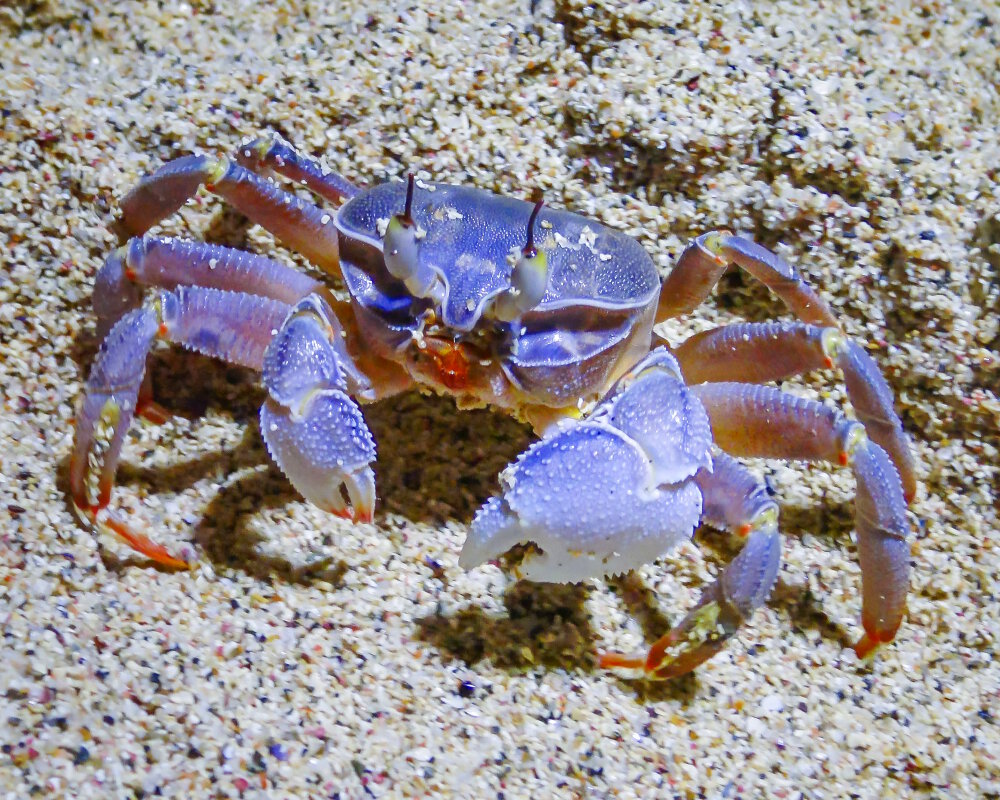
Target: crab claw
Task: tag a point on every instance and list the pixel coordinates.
(325, 453)
(605, 494)
(313, 429)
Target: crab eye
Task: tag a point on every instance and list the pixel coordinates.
(528, 278)
(400, 240)
(400, 250)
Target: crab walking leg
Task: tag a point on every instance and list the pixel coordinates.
(168, 263)
(736, 501)
(707, 257)
(772, 351)
(302, 226)
(147, 261)
(272, 154)
(228, 325)
(761, 421)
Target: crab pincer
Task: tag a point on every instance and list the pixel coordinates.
(312, 427)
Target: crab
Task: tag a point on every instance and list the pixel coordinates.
(540, 312)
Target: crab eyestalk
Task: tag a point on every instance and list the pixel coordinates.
(401, 251)
(528, 279)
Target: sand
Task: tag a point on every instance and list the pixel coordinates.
(305, 657)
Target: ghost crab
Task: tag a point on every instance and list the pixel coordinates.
(540, 312)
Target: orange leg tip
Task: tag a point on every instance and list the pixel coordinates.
(868, 644)
(620, 661)
(152, 412)
(103, 495)
(866, 647)
(842, 458)
(144, 545)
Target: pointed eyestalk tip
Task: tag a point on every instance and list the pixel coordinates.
(528, 278)
(407, 216)
(529, 248)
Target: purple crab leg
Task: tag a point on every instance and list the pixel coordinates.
(736, 501)
(273, 154)
(707, 257)
(761, 421)
(148, 261)
(232, 326)
(304, 227)
(772, 351)
(312, 426)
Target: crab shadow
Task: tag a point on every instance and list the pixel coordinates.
(435, 464)
(548, 625)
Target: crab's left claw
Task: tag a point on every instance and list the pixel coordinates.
(325, 452)
(605, 494)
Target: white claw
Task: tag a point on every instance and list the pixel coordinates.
(313, 429)
(360, 486)
(607, 493)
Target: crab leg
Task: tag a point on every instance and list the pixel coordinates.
(269, 154)
(232, 326)
(312, 427)
(302, 226)
(733, 500)
(761, 352)
(761, 421)
(169, 263)
(707, 257)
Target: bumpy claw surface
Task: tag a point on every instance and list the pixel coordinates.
(313, 429)
(607, 493)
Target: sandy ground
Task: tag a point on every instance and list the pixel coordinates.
(305, 657)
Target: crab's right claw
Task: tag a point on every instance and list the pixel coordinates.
(313, 429)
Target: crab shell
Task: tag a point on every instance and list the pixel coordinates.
(600, 297)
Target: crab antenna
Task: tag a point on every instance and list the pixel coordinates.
(529, 248)
(407, 217)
